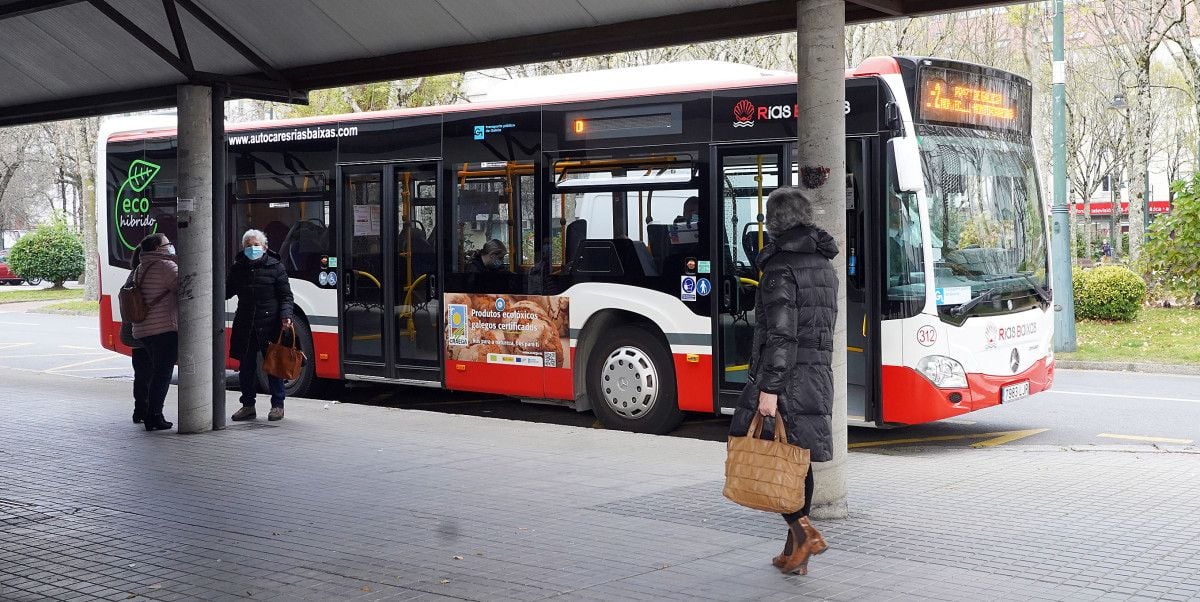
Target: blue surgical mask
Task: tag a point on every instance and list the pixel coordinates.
(253, 252)
(169, 249)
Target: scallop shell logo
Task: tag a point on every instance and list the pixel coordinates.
(743, 114)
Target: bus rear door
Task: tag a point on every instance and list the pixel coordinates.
(391, 315)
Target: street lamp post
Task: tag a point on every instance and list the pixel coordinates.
(1120, 103)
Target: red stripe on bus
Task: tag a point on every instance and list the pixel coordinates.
(482, 377)
(909, 398)
(693, 381)
(329, 366)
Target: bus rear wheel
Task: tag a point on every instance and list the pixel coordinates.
(301, 385)
(631, 382)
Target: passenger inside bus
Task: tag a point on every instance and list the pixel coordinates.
(691, 211)
(489, 259)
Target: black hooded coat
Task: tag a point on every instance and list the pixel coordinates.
(264, 301)
(791, 356)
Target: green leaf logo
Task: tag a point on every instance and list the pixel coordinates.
(140, 174)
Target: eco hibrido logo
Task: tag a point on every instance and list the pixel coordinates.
(131, 210)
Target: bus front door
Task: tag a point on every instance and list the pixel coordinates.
(746, 175)
(391, 310)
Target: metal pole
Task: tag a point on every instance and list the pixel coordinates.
(1060, 246)
(218, 258)
(1146, 204)
(194, 215)
(821, 147)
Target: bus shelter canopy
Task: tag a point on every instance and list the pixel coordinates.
(69, 58)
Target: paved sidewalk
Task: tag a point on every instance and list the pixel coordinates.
(358, 502)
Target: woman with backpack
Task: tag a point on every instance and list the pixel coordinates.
(158, 275)
(141, 355)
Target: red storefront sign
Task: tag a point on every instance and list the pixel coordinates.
(1105, 207)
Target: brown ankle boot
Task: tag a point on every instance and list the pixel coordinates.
(778, 561)
(813, 537)
(797, 561)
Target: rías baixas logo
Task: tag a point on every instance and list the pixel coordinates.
(131, 209)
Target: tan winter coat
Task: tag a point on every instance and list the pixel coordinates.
(160, 284)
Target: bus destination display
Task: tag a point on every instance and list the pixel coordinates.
(952, 97)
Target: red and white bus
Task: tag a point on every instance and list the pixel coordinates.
(631, 221)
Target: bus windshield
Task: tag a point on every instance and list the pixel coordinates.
(988, 229)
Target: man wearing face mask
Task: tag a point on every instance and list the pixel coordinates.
(260, 283)
(489, 259)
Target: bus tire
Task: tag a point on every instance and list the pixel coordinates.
(631, 382)
(303, 384)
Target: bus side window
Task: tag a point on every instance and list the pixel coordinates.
(493, 202)
(903, 256)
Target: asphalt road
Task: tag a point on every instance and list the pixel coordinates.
(1085, 408)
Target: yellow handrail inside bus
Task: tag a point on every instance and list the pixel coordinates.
(408, 312)
(737, 368)
(368, 277)
(753, 283)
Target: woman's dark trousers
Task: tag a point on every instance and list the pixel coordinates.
(808, 493)
(164, 352)
(142, 367)
(248, 376)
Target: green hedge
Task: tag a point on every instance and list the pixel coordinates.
(1107, 293)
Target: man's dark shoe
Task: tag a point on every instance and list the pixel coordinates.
(276, 413)
(244, 413)
(137, 418)
(157, 423)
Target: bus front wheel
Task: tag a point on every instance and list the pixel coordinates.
(631, 382)
(301, 385)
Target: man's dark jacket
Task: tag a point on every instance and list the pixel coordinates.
(792, 351)
(264, 301)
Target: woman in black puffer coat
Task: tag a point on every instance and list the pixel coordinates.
(791, 357)
(260, 283)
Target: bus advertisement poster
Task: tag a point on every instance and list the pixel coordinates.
(516, 330)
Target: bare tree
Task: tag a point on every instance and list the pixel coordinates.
(1135, 29)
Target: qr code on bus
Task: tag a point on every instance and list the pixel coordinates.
(549, 359)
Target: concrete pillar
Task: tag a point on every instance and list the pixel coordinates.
(194, 245)
(821, 154)
(218, 258)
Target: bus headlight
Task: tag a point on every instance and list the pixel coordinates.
(943, 372)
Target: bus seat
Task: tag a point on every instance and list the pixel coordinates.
(597, 257)
(750, 242)
(659, 238)
(573, 237)
(645, 260)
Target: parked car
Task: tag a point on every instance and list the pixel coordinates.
(7, 276)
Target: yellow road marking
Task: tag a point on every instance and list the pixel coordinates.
(998, 438)
(1013, 436)
(1150, 439)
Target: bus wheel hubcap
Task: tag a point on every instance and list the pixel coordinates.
(630, 382)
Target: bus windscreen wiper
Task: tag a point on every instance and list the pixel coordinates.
(1042, 291)
(986, 294)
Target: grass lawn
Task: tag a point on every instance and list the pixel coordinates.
(19, 295)
(74, 306)
(1166, 336)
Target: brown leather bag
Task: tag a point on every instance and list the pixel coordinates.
(134, 307)
(766, 474)
(284, 361)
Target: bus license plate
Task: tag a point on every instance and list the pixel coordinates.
(1014, 392)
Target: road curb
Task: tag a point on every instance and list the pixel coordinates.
(1184, 369)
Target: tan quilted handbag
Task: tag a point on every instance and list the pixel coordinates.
(766, 474)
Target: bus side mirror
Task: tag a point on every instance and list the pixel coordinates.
(905, 159)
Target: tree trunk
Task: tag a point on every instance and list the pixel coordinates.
(85, 144)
